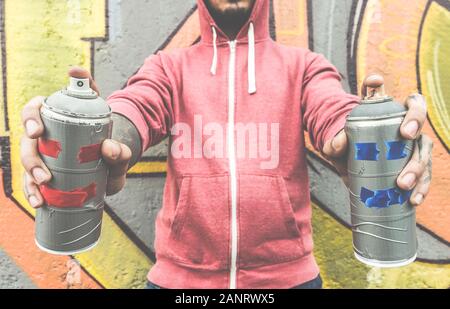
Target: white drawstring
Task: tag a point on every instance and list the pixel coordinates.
(251, 67)
(251, 60)
(214, 61)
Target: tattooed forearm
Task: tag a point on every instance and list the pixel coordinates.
(124, 131)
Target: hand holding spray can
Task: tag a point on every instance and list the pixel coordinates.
(383, 220)
(76, 122)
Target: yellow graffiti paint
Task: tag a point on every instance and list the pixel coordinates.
(334, 253)
(44, 38)
(148, 167)
(415, 275)
(43, 41)
(339, 268)
(435, 68)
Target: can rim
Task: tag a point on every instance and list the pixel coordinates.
(73, 252)
(385, 264)
(78, 115)
(350, 118)
(98, 207)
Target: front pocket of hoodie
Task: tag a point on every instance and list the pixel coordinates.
(268, 232)
(200, 228)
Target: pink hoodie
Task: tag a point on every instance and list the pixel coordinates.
(234, 218)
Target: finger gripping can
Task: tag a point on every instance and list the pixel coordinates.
(76, 122)
(383, 220)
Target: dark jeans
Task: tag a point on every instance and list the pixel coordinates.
(313, 284)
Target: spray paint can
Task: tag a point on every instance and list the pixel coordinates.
(76, 122)
(383, 220)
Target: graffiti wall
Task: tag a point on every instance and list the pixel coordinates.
(41, 39)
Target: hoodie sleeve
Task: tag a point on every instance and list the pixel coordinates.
(147, 102)
(325, 104)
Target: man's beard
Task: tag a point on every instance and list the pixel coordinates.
(233, 18)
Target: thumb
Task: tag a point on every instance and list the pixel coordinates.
(337, 146)
(117, 156)
(78, 72)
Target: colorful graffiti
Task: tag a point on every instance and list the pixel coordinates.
(40, 39)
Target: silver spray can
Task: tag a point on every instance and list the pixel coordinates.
(383, 220)
(76, 122)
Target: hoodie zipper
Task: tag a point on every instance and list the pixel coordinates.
(232, 162)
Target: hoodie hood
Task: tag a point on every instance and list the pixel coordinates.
(259, 18)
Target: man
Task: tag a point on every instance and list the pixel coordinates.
(236, 210)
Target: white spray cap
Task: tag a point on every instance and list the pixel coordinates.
(80, 87)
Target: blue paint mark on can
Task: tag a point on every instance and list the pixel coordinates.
(366, 151)
(383, 198)
(395, 150)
